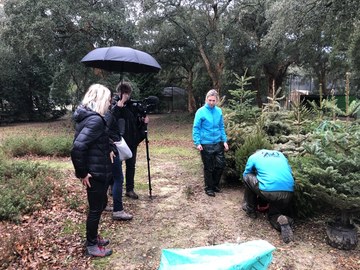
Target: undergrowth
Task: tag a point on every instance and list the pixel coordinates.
(32, 144)
(25, 187)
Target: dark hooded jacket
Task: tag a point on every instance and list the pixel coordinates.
(116, 125)
(129, 122)
(91, 148)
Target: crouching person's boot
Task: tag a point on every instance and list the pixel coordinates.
(249, 205)
(285, 228)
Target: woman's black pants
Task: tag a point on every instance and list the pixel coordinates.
(213, 159)
(97, 198)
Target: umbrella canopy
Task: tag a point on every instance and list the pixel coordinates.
(121, 59)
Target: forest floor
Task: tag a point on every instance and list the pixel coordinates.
(178, 215)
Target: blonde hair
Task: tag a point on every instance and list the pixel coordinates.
(212, 93)
(97, 98)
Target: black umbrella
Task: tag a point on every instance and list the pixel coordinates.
(121, 59)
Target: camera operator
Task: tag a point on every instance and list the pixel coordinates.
(135, 132)
(116, 128)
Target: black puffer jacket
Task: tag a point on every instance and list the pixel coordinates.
(91, 149)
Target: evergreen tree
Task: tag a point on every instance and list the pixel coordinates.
(331, 168)
(240, 117)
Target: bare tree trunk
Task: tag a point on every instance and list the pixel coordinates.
(257, 84)
(323, 83)
(214, 74)
(190, 91)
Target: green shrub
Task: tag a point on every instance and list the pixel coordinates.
(59, 146)
(18, 146)
(253, 142)
(25, 187)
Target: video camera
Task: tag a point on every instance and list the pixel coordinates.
(142, 107)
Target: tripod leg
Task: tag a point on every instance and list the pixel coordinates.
(148, 161)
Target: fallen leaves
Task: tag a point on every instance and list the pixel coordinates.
(38, 242)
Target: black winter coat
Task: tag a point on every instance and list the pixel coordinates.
(135, 128)
(116, 129)
(91, 148)
(116, 125)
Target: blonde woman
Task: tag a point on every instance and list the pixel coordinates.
(90, 155)
(210, 139)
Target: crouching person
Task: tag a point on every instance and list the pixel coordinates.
(268, 176)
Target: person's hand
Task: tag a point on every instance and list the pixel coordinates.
(85, 181)
(199, 147)
(124, 98)
(146, 119)
(226, 146)
(112, 155)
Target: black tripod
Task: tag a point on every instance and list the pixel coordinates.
(148, 160)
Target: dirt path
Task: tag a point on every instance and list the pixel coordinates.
(181, 215)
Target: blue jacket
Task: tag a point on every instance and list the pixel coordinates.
(272, 169)
(208, 126)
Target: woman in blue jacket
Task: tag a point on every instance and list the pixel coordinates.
(210, 139)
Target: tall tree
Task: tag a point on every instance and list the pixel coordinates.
(177, 55)
(204, 23)
(320, 31)
(275, 50)
(60, 33)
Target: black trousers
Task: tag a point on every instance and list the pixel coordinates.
(130, 169)
(280, 202)
(97, 198)
(213, 159)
